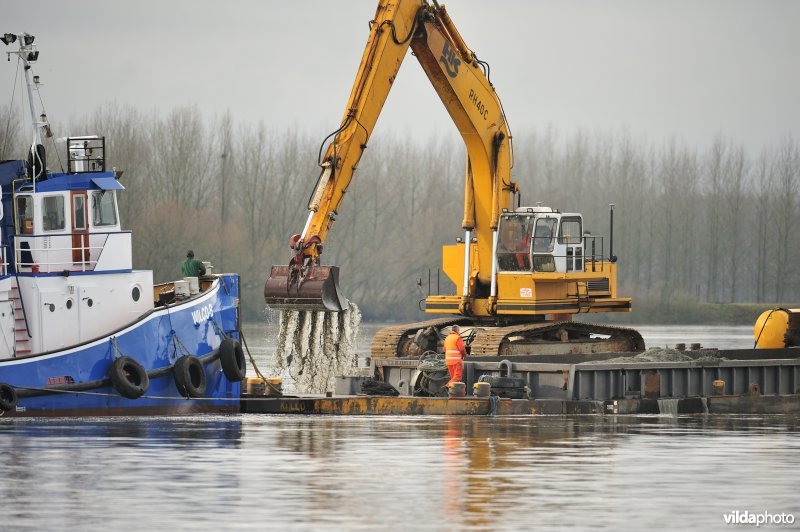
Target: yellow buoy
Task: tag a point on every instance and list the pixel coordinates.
(771, 327)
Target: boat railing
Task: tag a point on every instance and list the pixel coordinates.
(86, 154)
(73, 252)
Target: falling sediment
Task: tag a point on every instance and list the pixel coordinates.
(314, 347)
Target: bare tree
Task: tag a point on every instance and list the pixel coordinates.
(684, 217)
(787, 186)
(736, 176)
(9, 133)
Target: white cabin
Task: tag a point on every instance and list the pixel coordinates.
(67, 268)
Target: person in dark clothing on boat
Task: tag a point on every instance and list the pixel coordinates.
(192, 267)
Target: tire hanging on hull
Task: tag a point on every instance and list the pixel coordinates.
(190, 376)
(231, 357)
(8, 397)
(129, 377)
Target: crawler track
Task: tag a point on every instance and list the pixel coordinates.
(492, 341)
(390, 342)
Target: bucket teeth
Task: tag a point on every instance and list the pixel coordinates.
(318, 290)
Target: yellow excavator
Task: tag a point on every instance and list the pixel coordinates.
(521, 272)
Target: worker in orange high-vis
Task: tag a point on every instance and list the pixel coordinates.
(454, 353)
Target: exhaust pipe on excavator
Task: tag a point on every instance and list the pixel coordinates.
(317, 289)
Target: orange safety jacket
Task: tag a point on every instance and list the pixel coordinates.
(454, 348)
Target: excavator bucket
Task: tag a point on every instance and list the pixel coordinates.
(318, 290)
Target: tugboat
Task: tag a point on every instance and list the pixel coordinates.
(81, 331)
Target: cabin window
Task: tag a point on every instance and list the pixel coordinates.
(543, 244)
(543, 237)
(514, 243)
(53, 213)
(570, 231)
(104, 210)
(79, 212)
(24, 215)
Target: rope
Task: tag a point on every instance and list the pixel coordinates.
(493, 402)
(224, 286)
(431, 361)
(176, 342)
(433, 369)
(117, 351)
(275, 390)
(253, 361)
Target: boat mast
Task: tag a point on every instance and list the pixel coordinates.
(28, 54)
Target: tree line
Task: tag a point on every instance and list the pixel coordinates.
(715, 224)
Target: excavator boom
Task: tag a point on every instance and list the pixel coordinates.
(460, 81)
(520, 273)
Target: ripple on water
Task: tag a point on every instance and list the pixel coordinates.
(315, 472)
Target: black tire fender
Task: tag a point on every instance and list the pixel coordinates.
(231, 357)
(129, 377)
(190, 376)
(8, 397)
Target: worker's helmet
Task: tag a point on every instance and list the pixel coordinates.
(190, 254)
(456, 329)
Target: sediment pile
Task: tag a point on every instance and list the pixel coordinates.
(657, 354)
(313, 347)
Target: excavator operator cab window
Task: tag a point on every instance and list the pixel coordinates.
(514, 243)
(543, 242)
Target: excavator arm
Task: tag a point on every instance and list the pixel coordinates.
(461, 82)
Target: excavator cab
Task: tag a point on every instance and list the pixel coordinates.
(539, 239)
(514, 242)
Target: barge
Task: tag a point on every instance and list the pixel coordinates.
(712, 381)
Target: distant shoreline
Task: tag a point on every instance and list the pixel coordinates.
(682, 312)
(652, 312)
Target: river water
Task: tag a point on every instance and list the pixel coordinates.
(258, 472)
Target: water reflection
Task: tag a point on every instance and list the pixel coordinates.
(126, 431)
(342, 473)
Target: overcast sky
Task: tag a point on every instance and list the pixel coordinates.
(684, 68)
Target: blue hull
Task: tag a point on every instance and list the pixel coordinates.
(75, 381)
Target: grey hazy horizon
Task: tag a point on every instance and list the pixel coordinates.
(658, 70)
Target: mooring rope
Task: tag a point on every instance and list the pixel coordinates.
(250, 356)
